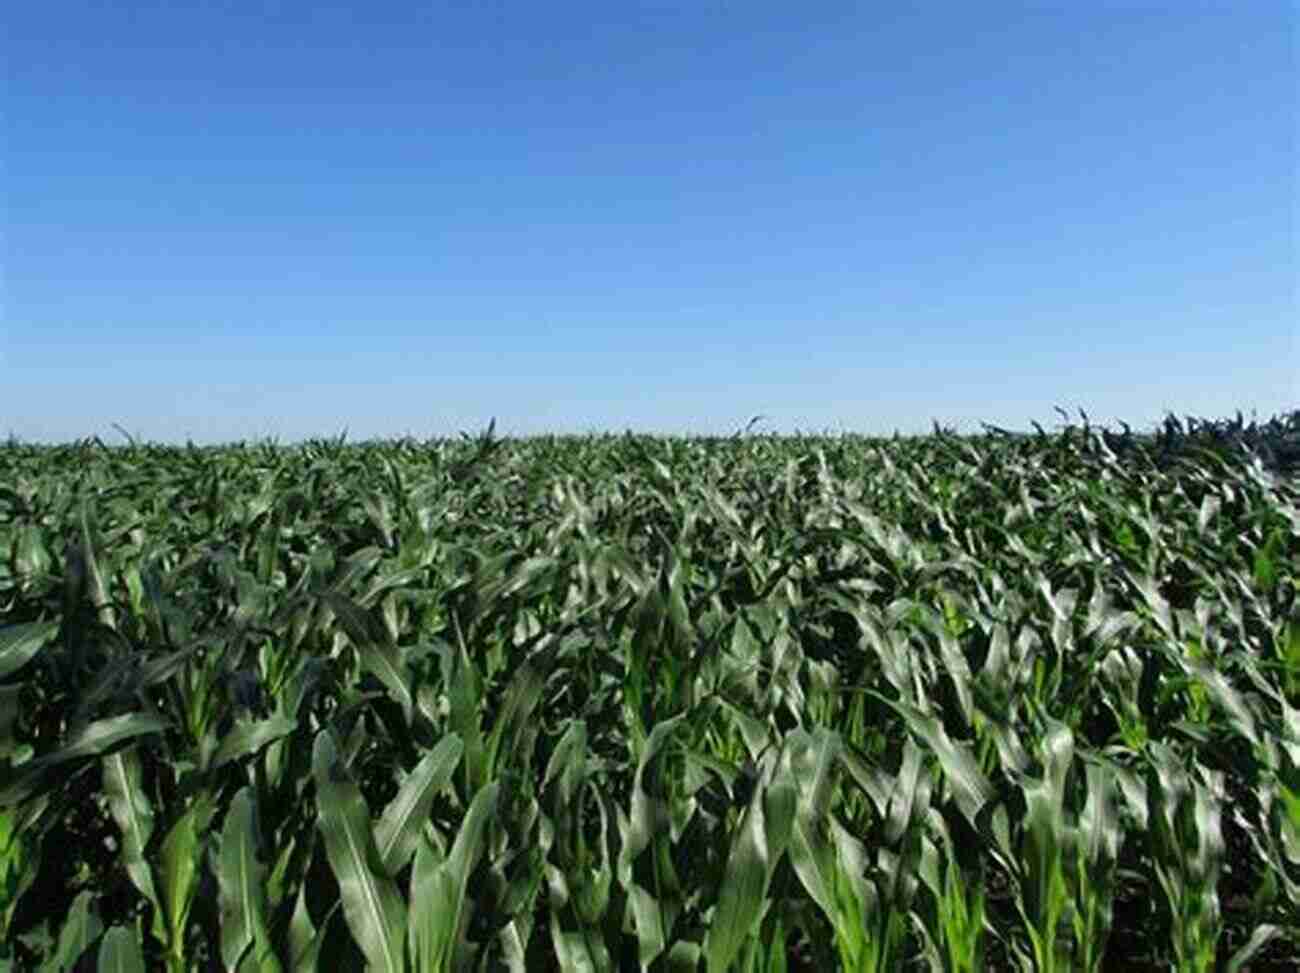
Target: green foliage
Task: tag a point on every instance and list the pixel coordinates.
(615, 703)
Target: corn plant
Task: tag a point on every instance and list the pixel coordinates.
(621, 702)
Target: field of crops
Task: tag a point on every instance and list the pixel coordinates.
(630, 703)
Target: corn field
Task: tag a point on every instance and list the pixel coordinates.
(944, 703)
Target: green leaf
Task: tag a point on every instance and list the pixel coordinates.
(1265, 568)
(20, 643)
(521, 698)
(182, 858)
(438, 887)
(568, 763)
(245, 938)
(248, 737)
(133, 814)
(20, 858)
(374, 649)
(971, 789)
(397, 835)
(372, 906)
(305, 941)
(79, 932)
(31, 558)
(120, 952)
(1261, 937)
(10, 702)
(813, 758)
(1228, 698)
(759, 844)
(96, 738)
(95, 588)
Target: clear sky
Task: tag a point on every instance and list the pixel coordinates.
(255, 219)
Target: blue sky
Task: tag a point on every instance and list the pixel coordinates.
(241, 220)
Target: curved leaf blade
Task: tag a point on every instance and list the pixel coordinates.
(398, 832)
(371, 904)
